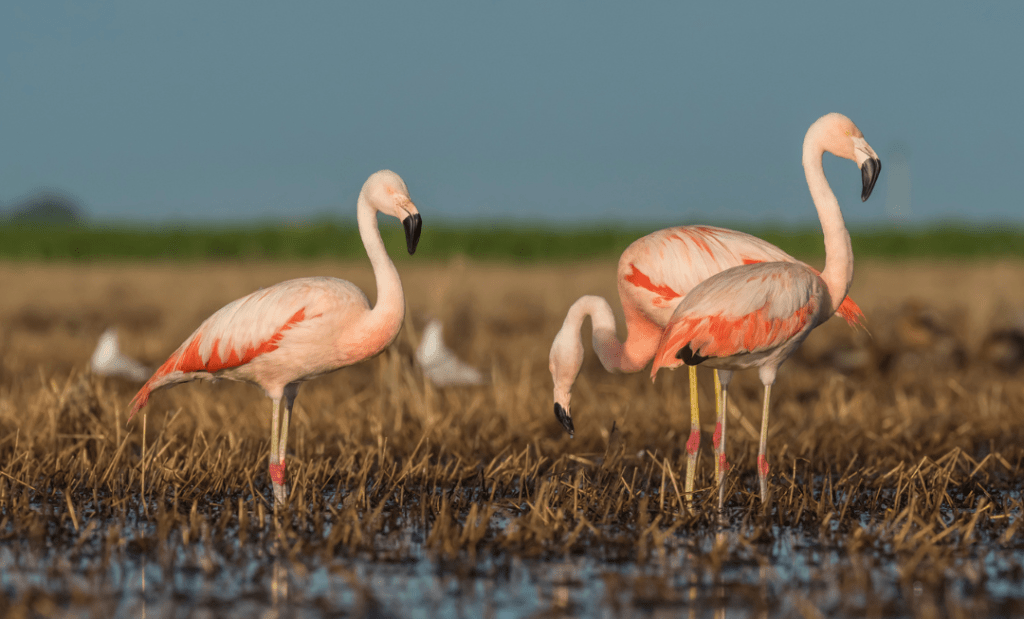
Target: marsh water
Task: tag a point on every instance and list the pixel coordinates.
(129, 567)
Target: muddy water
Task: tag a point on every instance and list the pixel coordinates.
(732, 572)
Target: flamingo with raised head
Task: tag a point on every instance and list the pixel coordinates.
(757, 315)
(654, 273)
(278, 337)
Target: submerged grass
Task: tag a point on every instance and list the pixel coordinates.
(910, 473)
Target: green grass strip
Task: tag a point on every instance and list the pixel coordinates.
(499, 242)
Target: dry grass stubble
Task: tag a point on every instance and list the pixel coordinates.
(920, 466)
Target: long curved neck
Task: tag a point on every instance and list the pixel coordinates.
(389, 310)
(606, 343)
(838, 271)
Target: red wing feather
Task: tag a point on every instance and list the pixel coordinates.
(744, 310)
(188, 359)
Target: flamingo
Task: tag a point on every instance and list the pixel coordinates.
(281, 336)
(654, 272)
(757, 315)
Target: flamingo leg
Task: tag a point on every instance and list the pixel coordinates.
(283, 445)
(722, 379)
(693, 444)
(281, 489)
(276, 470)
(762, 455)
(717, 437)
(721, 464)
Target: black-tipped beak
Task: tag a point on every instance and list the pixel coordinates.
(412, 224)
(869, 171)
(563, 418)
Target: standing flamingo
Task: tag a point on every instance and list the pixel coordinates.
(655, 272)
(278, 337)
(758, 314)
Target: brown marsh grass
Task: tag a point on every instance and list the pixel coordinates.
(909, 469)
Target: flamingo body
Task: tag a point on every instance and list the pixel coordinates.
(744, 317)
(289, 332)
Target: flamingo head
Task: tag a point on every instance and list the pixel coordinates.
(386, 192)
(565, 361)
(843, 139)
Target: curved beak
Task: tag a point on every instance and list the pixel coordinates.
(412, 225)
(869, 171)
(564, 418)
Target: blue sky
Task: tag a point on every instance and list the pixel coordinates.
(656, 112)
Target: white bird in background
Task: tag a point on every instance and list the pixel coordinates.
(439, 363)
(107, 359)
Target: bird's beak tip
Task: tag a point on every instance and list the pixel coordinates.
(413, 224)
(869, 172)
(565, 419)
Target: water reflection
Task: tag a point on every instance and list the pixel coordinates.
(723, 573)
(278, 586)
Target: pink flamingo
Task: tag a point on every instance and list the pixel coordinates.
(654, 273)
(278, 337)
(756, 315)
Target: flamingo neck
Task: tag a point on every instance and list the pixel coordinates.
(389, 310)
(606, 343)
(838, 271)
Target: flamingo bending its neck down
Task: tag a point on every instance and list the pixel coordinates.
(757, 315)
(278, 337)
(654, 273)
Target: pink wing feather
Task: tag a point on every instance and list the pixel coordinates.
(241, 331)
(741, 311)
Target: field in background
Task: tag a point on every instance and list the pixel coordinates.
(498, 242)
(896, 458)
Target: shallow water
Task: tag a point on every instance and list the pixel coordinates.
(732, 572)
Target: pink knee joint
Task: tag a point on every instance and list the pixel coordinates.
(716, 438)
(762, 465)
(693, 445)
(723, 466)
(277, 473)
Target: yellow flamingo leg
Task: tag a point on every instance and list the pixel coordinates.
(693, 444)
